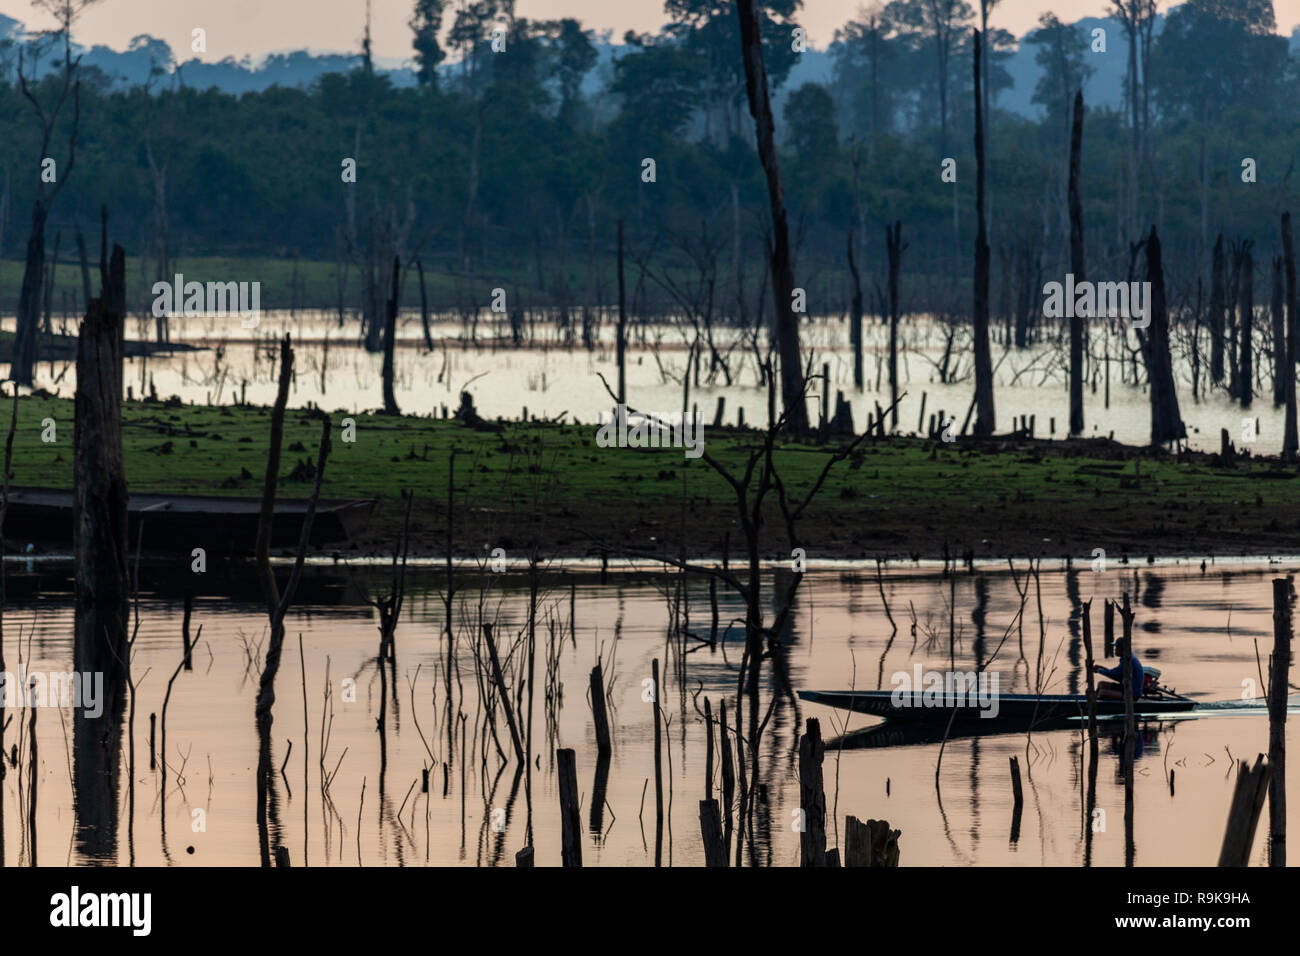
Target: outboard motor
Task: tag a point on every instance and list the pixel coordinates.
(1150, 680)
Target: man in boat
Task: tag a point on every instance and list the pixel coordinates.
(1107, 690)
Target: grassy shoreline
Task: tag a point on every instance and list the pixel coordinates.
(550, 485)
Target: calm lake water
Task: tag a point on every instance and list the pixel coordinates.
(1207, 631)
(551, 377)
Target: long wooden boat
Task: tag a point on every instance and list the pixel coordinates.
(223, 526)
(892, 733)
(906, 706)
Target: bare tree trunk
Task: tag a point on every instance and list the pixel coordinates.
(424, 307)
(1166, 421)
(622, 322)
(48, 292)
(4, 671)
(1077, 268)
(1291, 443)
(1279, 685)
(26, 347)
(894, 250)
(390, 335)
(984, 422)
(85, 268)
(1246, 308)
(100, 559)
(1279, 334)
(1232, 300)
(1218, 301)
(855, 318)
(785, 328)
(277, 602)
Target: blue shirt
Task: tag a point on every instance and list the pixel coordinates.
(1116, 674)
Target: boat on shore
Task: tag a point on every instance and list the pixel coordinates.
(223, 526)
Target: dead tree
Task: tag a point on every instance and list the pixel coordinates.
(1243, 815)
(984, 422)
(855, 316)
(1277, 314)
(1077, 268)
(785, 327)
(1218, 303)
(277, 601)
(29, 299)
(4, 508)
(812, 797)
(1166, 420)
(1246, 309)
(1291, 441)
(894, 247)
(622, 322)
(390, 335)
(1279, 686)
(424, 307)
(100, 558)
(855, 320)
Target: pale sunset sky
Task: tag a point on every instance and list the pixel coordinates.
(257, 27)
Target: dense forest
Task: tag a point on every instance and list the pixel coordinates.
(504, 160)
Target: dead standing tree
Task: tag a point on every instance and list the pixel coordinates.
(1218, 304)
(785, 327)
(1246, 310)
(1076, 267)
(622, 322)
(894, 247)
(855, 317)
(1166, 420)
(277, 602)
(1291, 441)
(1279, 686)
(984, 421)
(100, 559)
(4, 509)
(1277, 315)
(390, 336)
(47, 190)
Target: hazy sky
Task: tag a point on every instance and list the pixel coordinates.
(257, 27)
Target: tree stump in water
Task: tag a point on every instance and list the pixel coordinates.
(870, 844)
(1243, 815)
(812, 797)
(570, 823)
(715, 853)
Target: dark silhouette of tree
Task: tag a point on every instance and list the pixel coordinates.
(1166, 420)
(785, 328)
(1076, 267)
(65, 13)
(425, 23)
(985, 417)
(1061, 54)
